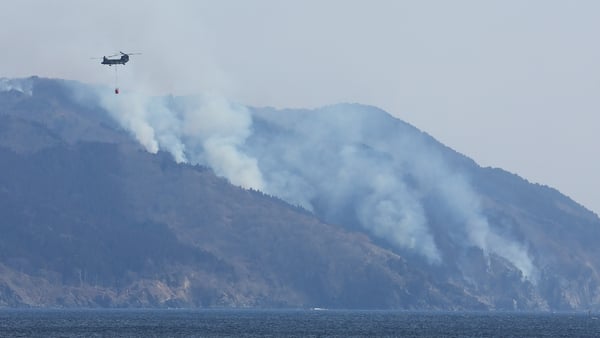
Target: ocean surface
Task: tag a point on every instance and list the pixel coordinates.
(290, 323)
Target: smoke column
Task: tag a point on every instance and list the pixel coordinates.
(205, 130)
(341, 162)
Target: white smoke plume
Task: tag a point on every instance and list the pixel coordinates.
(134, 116)
(21, 85)
(205, 130)
(466, 209)
(342, 162)
(358, 159)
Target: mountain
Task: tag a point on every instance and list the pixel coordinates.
(509, 243)
(134, 201)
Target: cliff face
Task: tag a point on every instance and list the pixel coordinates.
(88, 217)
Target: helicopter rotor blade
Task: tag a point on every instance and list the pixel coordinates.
(112, 56)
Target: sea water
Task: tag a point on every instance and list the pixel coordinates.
(290, 323)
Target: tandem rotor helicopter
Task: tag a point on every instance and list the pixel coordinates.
(121, 60)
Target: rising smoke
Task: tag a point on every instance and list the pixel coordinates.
(20, 85)
(344, 161)
(205, 130)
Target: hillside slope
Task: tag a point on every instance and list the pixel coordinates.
(89, 218)
(126, 201)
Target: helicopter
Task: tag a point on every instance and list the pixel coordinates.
(120, 61)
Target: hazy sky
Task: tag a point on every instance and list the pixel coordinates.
(511, 84)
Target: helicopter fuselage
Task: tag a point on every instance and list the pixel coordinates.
(120, 61)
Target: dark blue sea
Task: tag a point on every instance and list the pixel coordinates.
(290, 323)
